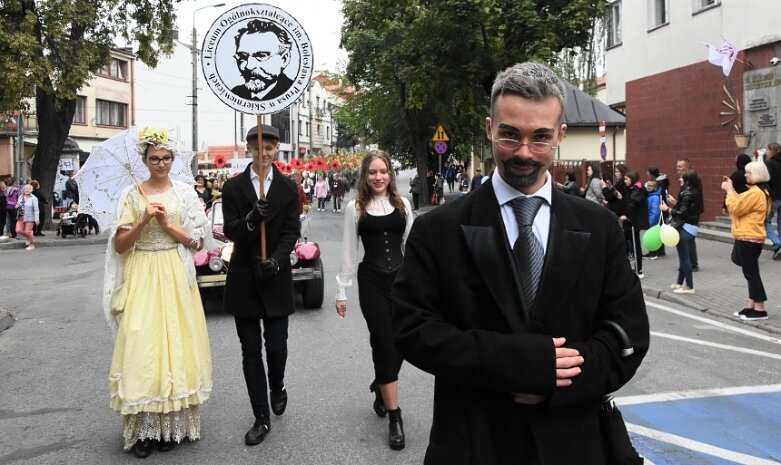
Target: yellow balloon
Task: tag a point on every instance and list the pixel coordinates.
(669, 235)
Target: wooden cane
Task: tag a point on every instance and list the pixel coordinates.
(262, 193)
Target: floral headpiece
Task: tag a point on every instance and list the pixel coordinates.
(157, 137)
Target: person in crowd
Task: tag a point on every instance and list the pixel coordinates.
(3, 203)
(259, 285)
(450, 177)
(161, 369)
(738, 178)
(28, 214)
(202, 191)
(570, 185)
(681, 165)
(635, 217)
(414, 189)
(773, 163)
(464, 184)
(685, 214)
(308, 184)
(72, 187)
(477, 179)
(303, 200)
(381, 218)
(439, 189)
(337, 191)
(11, 198)
(519, 371)
(615, 192)
(321, 192)
(749, 211)
(654, 202)
(663, 184)
(38, 193)
(595, 183)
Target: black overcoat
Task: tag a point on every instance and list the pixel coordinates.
(459, 314)
(243, 291)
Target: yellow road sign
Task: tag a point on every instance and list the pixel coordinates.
(440, 135)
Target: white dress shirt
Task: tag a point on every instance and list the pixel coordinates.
(255, 178)
(505, 194)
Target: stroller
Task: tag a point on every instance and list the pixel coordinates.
(77, 225)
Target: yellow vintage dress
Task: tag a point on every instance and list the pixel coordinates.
(161, 367)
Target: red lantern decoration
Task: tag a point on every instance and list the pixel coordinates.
(219, 161)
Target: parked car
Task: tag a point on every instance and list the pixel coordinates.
(211, 266)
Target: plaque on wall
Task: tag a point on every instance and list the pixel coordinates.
(766, 120)
(758, 104)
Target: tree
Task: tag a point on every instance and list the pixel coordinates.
(416, 64)
(49, 49)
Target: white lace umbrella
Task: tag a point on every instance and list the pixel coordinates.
(111, 167)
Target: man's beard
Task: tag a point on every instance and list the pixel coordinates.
(257, 80)
(524, 180)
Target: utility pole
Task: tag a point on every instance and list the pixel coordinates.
(20, 148)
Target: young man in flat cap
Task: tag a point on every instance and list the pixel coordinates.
(260, 290)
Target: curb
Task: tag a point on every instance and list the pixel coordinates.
(16, 244)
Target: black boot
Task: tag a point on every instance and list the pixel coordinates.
(379, 404)
(395, 430)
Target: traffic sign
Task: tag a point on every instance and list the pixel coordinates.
(440, 135)
(440, 147)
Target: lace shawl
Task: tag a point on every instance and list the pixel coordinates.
(194, 221)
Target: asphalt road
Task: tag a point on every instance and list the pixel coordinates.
(709, 391)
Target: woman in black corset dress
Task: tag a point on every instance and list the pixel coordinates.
(382, 219)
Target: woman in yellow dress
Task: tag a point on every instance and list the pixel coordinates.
(161, 368)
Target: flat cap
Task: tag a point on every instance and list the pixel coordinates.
(269, 132)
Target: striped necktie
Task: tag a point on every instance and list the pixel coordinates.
(527, 250)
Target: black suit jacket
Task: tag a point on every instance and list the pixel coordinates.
(459, 313)
(281, 86)
(243, 291)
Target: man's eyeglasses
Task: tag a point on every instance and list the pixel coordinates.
(156, 160)
(536, 147)
(260, 57)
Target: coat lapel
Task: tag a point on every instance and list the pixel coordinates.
(486, 241)
(248, 190)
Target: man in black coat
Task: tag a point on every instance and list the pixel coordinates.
(519, 373)
(260, 289)
(773, 163)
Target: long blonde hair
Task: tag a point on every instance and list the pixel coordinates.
(364, 193)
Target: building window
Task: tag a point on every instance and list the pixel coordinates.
(116, 70)
(319, 130)
(700, 5)
(281, 121)
(307, 128)
(614, 24)
(658, 13)
(110, 113)
(328, 132)
(80, 116)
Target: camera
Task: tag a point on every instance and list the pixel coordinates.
(774, 61)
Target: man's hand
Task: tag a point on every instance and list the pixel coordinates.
(258, 213)
(266, 269)
(568, 362)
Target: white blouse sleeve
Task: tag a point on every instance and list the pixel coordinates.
(349, 260)
(410, 218)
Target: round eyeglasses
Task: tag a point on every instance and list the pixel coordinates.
(156, 160)
(536, 147)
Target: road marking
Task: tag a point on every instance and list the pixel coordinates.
(718, 324)
(717, 345)
(698, 446)
(697, 394)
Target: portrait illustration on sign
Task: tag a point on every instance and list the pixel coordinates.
(257, 58)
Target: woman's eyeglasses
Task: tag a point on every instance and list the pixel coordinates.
(156, 160)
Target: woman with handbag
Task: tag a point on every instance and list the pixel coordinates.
(382, 219)
(685, 217)
(749, 211)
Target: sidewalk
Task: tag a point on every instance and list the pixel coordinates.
(52, 240)
(721, 288)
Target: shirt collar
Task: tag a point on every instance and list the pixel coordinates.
(254, 176)
(505, 193)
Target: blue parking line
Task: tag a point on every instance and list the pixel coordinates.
(746, 423)
(662, 453)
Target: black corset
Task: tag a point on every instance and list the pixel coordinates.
(382, 237)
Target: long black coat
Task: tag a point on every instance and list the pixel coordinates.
(243, 291)
(461, 316)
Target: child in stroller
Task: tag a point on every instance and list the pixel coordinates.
(74, 223)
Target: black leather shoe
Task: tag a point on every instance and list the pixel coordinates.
(165, 446)
(279, 401)
(379, 403)
(142, 448)
(258, 432)
(396, 439)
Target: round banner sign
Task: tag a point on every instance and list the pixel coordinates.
(257, 59)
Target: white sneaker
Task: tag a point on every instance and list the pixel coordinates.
(2, 238)
(640, 275)
(683, 291)
(675, 286)
(30, 247)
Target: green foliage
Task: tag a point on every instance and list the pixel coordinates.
(419, 63)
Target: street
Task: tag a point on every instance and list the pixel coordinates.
(708, 391)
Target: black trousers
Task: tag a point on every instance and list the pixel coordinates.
(746, 254)
(415, 201)
(275, 335)
(374, 295)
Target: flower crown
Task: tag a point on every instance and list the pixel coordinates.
(157, 137)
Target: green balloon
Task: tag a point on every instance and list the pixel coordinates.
(651, 240)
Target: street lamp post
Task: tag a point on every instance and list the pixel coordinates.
(194, 51)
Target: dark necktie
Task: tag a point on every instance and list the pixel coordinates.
(528, 251)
